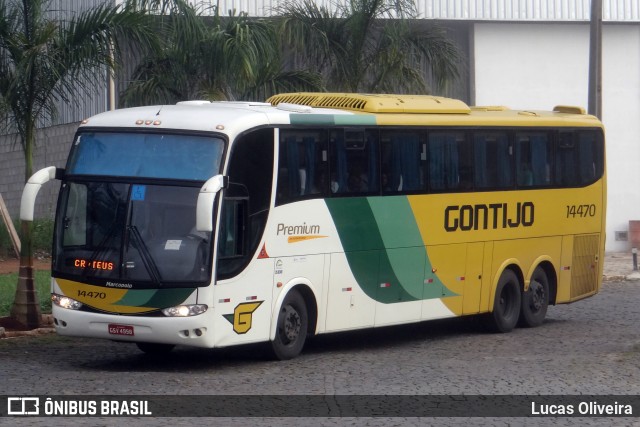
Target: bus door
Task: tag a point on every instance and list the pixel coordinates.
(244, 278)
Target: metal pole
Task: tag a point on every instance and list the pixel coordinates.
(595, 60)
(634, 252)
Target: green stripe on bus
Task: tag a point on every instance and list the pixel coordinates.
(398, 229)
(384, 248)
(355, 119)
(136, 297)
(332, 119)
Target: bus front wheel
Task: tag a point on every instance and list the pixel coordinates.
(506, 306)
(292, 326)
(536, 300)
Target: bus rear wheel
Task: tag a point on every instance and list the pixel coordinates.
(292, 326)
(536, 300)
(506, 306)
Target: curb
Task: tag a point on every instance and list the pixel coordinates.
(31, 333)
(620, 277)
(46, 327)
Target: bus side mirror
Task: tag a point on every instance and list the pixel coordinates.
(32, 187)
(204, 208)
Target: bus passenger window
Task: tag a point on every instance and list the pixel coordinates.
(450, 162)
(354, 161)
(567, 160)
(533, 159)
(492, 160)
(591, 156)
(402, 155)
(302, 170)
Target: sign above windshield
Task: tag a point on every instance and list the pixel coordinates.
(168, 156)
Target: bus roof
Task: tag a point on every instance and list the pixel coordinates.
(322, 109)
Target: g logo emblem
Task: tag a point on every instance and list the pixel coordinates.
(242, 316)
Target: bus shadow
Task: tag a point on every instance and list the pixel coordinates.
(400, 335)
(122, 357)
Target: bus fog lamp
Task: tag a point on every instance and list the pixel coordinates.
(185, 310)
(65, 302)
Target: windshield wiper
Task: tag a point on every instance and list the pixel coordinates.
(101, 248)
(147, 259)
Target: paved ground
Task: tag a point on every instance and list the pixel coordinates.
(619, 265)
(591, 347)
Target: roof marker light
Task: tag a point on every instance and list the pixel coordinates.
(219, 127)
(139, 122)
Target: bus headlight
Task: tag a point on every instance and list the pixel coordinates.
(185, 310)
(65, 302)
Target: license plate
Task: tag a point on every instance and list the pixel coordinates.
(121, 329)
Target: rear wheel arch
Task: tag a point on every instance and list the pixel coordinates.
(552, 278)
(312, 306)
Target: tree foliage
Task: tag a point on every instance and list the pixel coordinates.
(369, 45)
(44, 59)
(214, 57)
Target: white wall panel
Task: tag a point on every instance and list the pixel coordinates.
(537, 66)
(476, 10)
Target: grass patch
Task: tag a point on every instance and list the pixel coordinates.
(8, 283)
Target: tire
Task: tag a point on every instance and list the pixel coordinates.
(292, 327)
(536, 300)
(154, 348)
(507, 303)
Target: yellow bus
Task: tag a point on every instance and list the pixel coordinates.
(225, 223)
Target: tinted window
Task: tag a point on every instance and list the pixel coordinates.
(302, 165)
(450, 162)
(533, 159)
(492, 160)
(403, 160)
(354, 162)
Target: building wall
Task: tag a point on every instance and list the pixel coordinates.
(52, 148)
(538, 66)
(464, 10)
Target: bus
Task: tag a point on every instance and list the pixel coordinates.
(213, 224)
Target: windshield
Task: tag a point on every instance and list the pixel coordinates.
(141, 234)
(137, 232)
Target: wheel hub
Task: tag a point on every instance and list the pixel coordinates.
(537, 295)
(292, 323)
